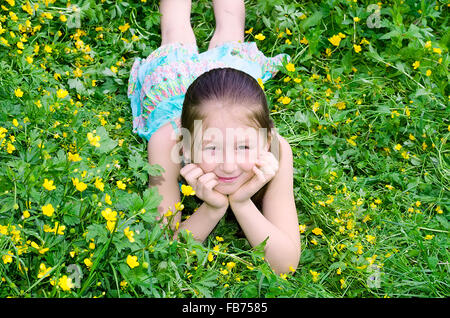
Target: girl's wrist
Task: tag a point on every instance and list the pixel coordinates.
(219, 211)
(239, 204)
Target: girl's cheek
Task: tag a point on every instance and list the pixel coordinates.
(248, 166)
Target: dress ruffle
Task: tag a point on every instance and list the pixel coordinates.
(158, 83)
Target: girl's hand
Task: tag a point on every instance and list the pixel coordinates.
(203, 185)
(266, 167)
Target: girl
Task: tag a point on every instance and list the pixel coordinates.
(213, 104)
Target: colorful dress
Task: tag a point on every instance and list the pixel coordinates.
(157, 84)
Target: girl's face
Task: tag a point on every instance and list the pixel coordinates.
(229, 149)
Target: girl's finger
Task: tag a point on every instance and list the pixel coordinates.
(187, 169)
(259, 174)
(211, 184)
(192, 177)
(206, 177)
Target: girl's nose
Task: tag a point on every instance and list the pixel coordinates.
(229, 165)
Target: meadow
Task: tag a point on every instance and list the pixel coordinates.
(363, 104)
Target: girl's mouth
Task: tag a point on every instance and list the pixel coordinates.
(227, 180)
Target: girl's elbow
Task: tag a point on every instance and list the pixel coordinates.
(287, 262)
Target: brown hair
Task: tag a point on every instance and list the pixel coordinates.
(231, 88)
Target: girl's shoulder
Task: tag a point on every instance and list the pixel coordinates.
(285, 159)
(280, 146)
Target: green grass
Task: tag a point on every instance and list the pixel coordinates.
(368, 131)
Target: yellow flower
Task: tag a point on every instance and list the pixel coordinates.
(315, 275)
(340, 105)
(356, 19)
(317, 231)
(260, 82)
(290, 67)
(370, 238)
(357, 48)
(109, 214)
(99, 184)
(129, 234)
(93, 140)
(80, 186)
(7, 258)
(260, 37)
(428, 237)
(10, 147)
(47, 49)
(13, 16)
(43, 270)
(335, 40)
(88, 262)
(108, 199)
(77, 72)
(132, 261)
(210, 257)
(40, 249)
(110, 225)
(61, 93)
(113, 69)
(302, 228)
(304, 41)
(428, 73)
(285, 100)
(121, 185)
(18, 92)
(187, 190)
(179, 206)
(74, 157)
(398, 147)
(437, 50)
(65, 283)
(59, 229)
(168, 213)
(416, 64)
(48, 209)
(231, 265)
(124, 28)
(48, 184)
(249, 31)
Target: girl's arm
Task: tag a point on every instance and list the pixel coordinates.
(214, 206)
(278, 220)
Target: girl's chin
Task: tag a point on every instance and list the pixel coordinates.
(225, 189)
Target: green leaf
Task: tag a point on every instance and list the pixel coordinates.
(97, 232)
(75, 83)
(151, 199)
(106, 143)
(312, 20)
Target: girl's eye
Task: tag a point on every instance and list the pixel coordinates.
(243, 147)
